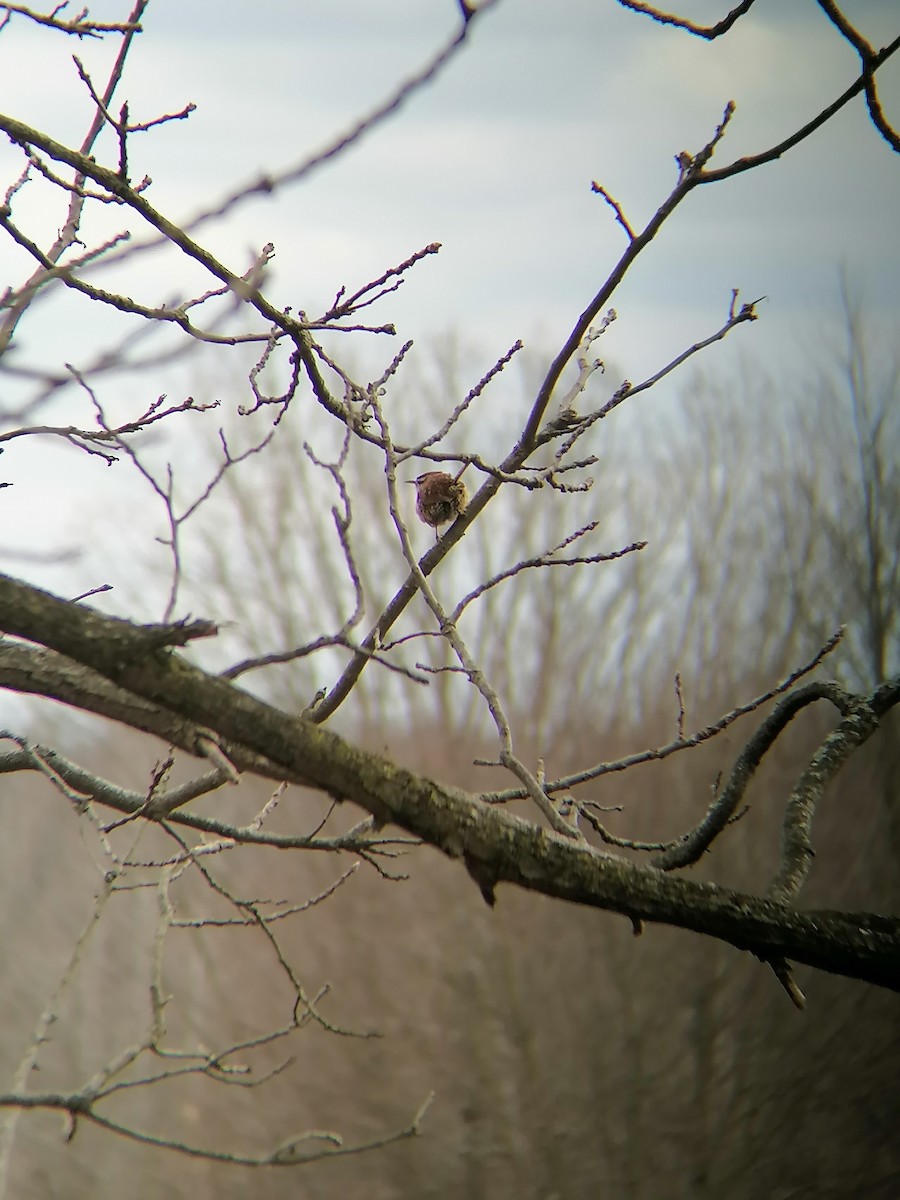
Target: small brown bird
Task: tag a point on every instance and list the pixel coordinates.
(439, 498)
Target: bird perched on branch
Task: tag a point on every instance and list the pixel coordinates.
(440, 498)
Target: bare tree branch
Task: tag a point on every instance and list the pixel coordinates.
(508, 849)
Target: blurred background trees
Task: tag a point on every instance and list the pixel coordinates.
(568, 1058)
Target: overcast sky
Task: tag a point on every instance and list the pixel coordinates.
(494, 160)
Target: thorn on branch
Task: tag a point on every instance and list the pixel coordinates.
(484, 877)
(103, 587)
(122, 132)
(695, 168)
(317, 699)
(679, 695)
(599, 190)
(782, 971)
(208, 746)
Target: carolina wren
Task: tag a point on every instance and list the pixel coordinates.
(439, 498)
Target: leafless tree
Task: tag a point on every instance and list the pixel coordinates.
(158, 677)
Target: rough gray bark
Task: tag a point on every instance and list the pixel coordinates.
(497, 847)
